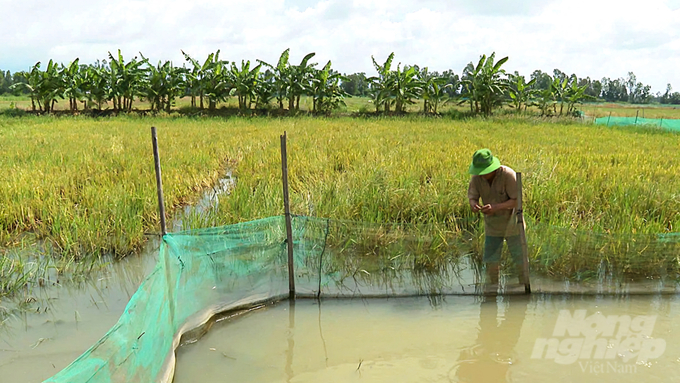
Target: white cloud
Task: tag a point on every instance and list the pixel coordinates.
(588, 38)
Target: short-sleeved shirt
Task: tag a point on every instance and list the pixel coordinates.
(502, 188)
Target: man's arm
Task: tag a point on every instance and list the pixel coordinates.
(473, 196)
(496, 207)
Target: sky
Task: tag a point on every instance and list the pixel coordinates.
(589, 38)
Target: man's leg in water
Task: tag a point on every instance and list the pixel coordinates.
(493, 247)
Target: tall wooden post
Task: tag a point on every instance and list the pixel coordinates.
(523, 237)
(159, 183)
(289, 229)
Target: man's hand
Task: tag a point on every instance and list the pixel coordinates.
(489, 209)
(474, 205)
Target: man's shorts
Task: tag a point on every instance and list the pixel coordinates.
(493, 247)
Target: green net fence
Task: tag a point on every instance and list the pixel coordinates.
(202, 273)
(661, 123)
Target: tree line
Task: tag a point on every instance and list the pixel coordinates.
(484, 86)
(606, 89)
(119, 82)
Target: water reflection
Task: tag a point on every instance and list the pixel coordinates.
(291, 341)
(500, 323)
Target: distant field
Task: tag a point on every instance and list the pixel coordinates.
(364, 104)
(630, 110)
(354, 104)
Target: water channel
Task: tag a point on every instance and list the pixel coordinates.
(447, 339)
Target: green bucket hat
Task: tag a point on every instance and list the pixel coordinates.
(483, 162)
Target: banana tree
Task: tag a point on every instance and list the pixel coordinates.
(163, 85)
(559, 89)
(43, 86)
(193, 79)
(215, 85)
(545, 99)
(575, 94)
(484, 84)
(243, 82)
(291, 81)
(280, 77)
(379, 88)
(264, 89)
(521, 92)
(404, 87)
(300, 81)
(95, 84)
(326, 90)
(434, 91)
(207, 80)
(73, 84)
(30, 85)
(468, 88)
(126, 81)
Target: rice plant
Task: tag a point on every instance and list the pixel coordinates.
(86, 186)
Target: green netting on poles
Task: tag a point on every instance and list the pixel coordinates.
(661, 123)
(198, 274)
(204, 272)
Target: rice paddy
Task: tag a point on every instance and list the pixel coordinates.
(85, 187)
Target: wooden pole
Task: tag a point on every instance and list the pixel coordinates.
(522, 236)
(159, 183)
(610, 117)
(636, 116)
(289, 229)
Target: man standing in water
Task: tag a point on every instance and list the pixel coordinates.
(497, 187)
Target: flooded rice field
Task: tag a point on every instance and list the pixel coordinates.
(444, 339)
(43, 330)
(602, 330)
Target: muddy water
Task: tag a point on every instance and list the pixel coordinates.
(45, 329)
(451, 339)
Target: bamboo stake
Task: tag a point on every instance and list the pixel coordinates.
(522, 236)
(289, 229)
(159, 183)
(610, 117)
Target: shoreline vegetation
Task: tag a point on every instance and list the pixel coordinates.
(85, 189)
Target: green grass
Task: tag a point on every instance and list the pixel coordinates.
(86, 186)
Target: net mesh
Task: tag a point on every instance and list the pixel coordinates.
(661, 123)
(204, 272)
